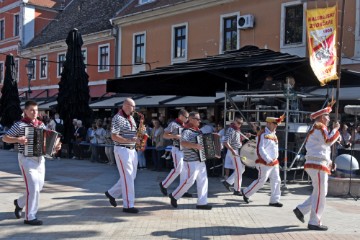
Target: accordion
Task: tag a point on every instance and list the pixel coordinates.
(41, 142)
(212, 146)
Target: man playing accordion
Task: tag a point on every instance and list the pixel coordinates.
(193, 167)
(32, 168)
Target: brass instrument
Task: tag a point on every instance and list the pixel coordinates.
(141, 134)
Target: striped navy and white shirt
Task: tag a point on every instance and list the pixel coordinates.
(18, 130)
(124, 127)
(189, 135)
(173, 128)
(233, 138)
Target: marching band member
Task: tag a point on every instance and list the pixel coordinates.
(233, 142)
(318, 166)
(193, 167)
(32, 168)
(123, 133)
(267, 163)
(172, 132)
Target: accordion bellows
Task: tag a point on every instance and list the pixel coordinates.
(41, 142)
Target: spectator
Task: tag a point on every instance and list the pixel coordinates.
(109, 148)
(80, 136)
(100, 139)
(344, 141)
(158, 142)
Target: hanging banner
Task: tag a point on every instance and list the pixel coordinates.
(321, 31)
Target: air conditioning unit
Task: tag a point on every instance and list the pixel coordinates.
(245, 21)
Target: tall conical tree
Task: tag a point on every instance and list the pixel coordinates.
(74, 93)
(10, 110)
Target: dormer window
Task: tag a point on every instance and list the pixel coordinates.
(141, 2)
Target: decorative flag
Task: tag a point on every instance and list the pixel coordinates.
(321, 31)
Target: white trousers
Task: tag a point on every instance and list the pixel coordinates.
(33, 172)
(178, 160)
(265, 172)
(236, 177)
(315, 203)
(127, 162)
(194, 171)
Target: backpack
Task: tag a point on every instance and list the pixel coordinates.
(59, 127)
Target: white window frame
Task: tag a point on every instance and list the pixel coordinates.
(179, 59)
(3, 19)
(58, 64)
(357, 31)
(17, 62)
(2, 76)
(138, 68)
(221, 42)
(300, 47)
(46, 66)
(108, 59)
(142, 2)
(33, 78)
(18, 28)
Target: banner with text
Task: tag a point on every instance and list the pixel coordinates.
(321, 31)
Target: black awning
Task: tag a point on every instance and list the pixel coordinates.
(244, 69)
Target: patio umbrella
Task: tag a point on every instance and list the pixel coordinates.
(10, 110)
(74, 93)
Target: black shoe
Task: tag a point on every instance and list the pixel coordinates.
(18, 210)
(34, 222)
(187, 195)
(111, 199)
(278, 204)
(237, 193)
(173, 201)
(227, 185)
(299, 215)
(204, 207)
(131, 210)
(319, 228)
(246, 199)
(162, 189)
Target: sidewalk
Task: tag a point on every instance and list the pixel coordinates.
(73, 206)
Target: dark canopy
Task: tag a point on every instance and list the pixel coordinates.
(244, 69)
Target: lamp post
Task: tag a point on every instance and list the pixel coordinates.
(29, 72)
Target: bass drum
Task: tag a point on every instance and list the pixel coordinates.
(248, 153)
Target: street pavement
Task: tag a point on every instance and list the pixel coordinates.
(73, 206)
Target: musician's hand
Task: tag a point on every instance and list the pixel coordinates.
(58, 146)
(177, 137)
(135, 140)
(234, 153)
(198, 147)
(248, 135)
(22, 140)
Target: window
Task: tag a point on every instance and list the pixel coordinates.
(84, 54)
(43, 67)
(145, 1)
(61, 59)
(16, 73)
(33, 74)
(180, 42)
(1, 72)
(230, 33)
(16, 25)
(104, 57)
(139, 47)
(294, 28)
(2, 29)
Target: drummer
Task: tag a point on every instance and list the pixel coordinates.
(267, 163)
(233, 142)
